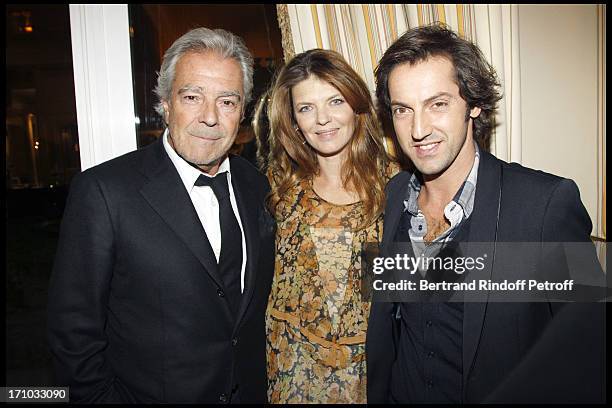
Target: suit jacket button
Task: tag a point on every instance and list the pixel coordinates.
(223, 398)
(220, 293)
(234, 341)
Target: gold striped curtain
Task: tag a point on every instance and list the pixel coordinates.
(600, 231)
(362, 32)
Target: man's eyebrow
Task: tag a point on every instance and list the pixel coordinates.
(190, 88)
(226, 94)
(436, 96)
(426, 101)
(199, 89)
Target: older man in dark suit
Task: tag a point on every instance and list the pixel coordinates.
(165, 258)
(440, 94)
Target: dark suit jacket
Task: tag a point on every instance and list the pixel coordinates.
(136, 310)
(534, 207)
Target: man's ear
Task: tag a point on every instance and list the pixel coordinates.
(166, 110)
(474, 112)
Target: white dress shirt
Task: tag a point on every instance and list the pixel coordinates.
(205, 201)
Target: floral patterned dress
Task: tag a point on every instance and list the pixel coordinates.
(316, 318)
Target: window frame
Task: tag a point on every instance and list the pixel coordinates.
(101, 58)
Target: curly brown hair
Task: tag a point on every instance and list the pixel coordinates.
(290, 160)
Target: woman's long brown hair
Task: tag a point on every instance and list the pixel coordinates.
(290, 160)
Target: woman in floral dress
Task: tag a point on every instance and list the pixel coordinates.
(328, 168)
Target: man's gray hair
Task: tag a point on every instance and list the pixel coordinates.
(203, 39)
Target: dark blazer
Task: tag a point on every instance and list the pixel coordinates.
(136, 310)
(533, 207)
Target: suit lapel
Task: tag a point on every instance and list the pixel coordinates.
(166, 193)
(393, 209)
(482, 232)
(396, 194)
(249, 211)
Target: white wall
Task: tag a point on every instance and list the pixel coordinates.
(559, 86)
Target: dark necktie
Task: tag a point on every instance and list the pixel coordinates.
(230, 259)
